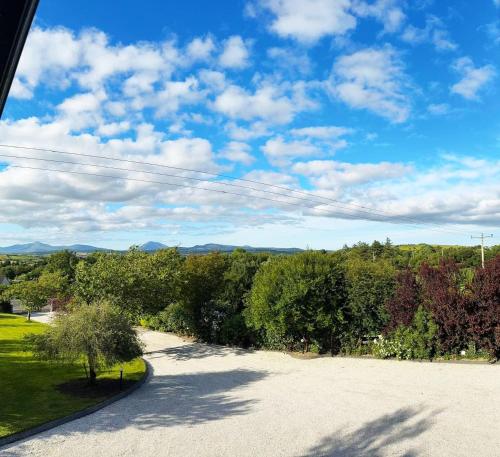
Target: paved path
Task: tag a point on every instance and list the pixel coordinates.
(211, 401)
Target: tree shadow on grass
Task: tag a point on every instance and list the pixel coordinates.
(197, 351)
(377, 438)
(165, 401)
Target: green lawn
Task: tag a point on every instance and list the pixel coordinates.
(28, 394)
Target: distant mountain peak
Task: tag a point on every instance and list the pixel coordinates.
(152, 246)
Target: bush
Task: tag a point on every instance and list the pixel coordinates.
(299, 300)
(202, 284)
(484, 308)
(370, 286)
(415, 342)
(235, 332)
(405, 301)
(443, 298)
(176, 318)
(99, 332)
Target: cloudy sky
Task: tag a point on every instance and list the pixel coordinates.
(377, 114)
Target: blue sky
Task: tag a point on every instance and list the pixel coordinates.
(387, 105)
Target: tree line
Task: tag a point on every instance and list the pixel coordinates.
(408, 302)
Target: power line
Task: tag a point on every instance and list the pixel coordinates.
(344, 207)
(369, 210)
(314, 206)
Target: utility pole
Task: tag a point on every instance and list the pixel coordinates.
(482, 237)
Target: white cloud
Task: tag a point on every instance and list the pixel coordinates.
(438, 109)
(389, 12)
(272, 177)
(176, 93)
(58, 57)
(236, 151)
(254, 130)
(113, 128)
(47, 56)
(327, 174)
(434, 32)
(290, 60)
(215, 80)
(280, 152)
(235, 54)
(307, 21)
(323, 132)
(372, 79)
(201, 48)
(82, 110)
(473, 79)
(268, 102)
(492, 31)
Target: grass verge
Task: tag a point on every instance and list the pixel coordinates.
(30, 390)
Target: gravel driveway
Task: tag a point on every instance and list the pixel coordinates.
(212, 401)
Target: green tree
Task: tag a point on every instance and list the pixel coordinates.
(230, 303)
(31, 294)
(63, 262)
(99, 332)
(136, 281)
(55, 287)
(203, 281)
(370, 285)
(298, 300)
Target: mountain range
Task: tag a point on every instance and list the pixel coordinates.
(150, 246)
(42, 248)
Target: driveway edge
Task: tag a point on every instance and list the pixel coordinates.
(18, 436)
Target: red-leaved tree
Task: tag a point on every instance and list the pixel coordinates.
(405, 301)
(484, 307)
(442, 296)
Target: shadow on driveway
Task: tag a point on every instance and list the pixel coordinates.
(375, 437)
(197, 351)
(164, 401)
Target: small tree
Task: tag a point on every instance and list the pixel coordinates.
(99, 332)
(54, 286)
(31, 294)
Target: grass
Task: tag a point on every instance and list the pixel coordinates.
(29, 392)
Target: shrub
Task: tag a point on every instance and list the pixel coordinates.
(385, 347)
(405, 301)
(235, 332)
(484, 308)
(99, 332)
(442, 296)
(415, 342)
(203, 281)
(300, 297)
(175, 318)
(370, 285)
